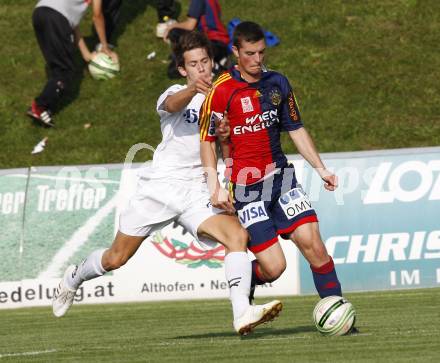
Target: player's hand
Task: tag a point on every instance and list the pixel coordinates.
(221, 199)
(222, 128)
(202, 85)
(330, 180)
(111, 54)
(89, 56)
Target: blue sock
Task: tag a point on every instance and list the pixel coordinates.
(326, 280)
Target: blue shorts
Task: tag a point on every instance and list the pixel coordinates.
(275, 206)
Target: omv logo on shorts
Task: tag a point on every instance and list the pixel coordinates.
(252, 213)
(294, 202)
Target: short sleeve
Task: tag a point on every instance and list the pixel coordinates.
(290, 116)
(196, 9)
(160, 107)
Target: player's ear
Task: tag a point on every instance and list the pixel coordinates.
(182, 71)
(235, 51)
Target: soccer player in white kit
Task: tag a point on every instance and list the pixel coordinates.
(174, 189)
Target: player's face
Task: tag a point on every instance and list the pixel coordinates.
(250, 57)
(197, 65)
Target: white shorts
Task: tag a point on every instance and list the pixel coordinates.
(158, 202)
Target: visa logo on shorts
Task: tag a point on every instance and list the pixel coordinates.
(294, 202)
(252, 213)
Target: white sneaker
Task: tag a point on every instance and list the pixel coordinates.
(63, 297)
(161, 28)
(256, 315)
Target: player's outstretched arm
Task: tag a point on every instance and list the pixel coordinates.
(306, 147)
(220, 198)
(223, 133)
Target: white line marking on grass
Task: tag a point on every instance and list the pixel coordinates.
(40, 176)
(27, 353)
(80, 237)
(236, 340)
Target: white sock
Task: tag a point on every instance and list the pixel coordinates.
(238, 270)
(90, 268)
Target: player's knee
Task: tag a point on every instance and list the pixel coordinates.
(272, 272)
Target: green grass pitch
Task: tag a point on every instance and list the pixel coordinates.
(398, 326)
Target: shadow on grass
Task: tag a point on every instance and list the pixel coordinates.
(256, 334)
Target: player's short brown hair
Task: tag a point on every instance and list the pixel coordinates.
(189, 41)
(247, 31)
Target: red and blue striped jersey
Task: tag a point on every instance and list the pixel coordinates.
(258, 113)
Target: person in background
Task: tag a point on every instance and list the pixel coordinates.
(167, 13)
(56, 26)
(205, 15)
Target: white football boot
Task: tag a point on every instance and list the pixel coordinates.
(256, 315)
(63, 297)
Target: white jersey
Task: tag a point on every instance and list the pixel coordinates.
(178, 155)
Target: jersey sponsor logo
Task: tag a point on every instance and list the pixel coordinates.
(275, 96)
(292, 107)
(295, 202)
(252, 213)
(257, 122)
(246, 105)
(191, 116)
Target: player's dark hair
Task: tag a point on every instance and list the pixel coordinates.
(189, 41)
(247, 31)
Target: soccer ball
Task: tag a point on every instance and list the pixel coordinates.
(103, 67)
(334, 315)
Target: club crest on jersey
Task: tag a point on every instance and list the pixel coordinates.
(275, 96)
(246, 104)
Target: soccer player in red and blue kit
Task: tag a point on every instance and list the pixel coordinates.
(259, 105)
